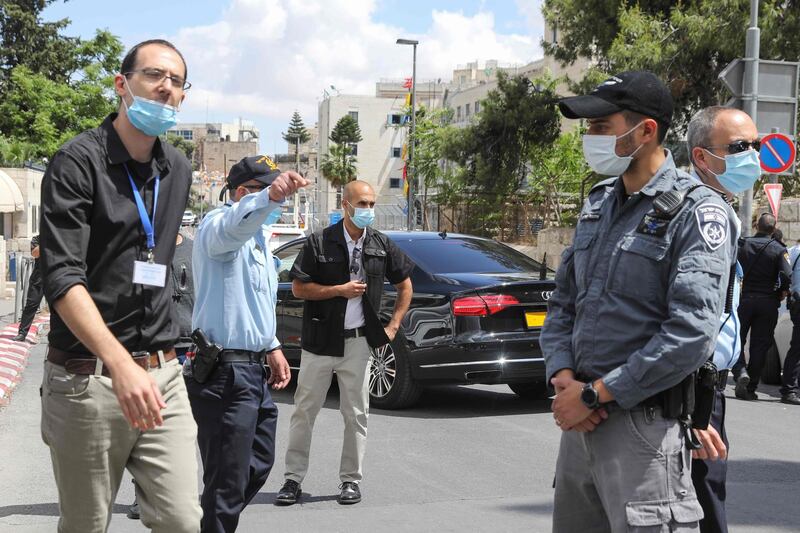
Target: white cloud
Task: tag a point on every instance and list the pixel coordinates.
(266, 58)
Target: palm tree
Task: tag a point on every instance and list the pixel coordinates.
(339, 166)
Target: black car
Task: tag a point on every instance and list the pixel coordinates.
(475, 317)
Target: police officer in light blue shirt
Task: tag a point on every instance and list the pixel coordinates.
(235, 294)
(723, 147)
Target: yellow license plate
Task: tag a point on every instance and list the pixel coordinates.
(535, 320)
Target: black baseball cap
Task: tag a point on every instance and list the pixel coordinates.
(257, 167)
(636, 90)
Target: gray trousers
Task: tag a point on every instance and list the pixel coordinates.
(91, 445)
(632, 473)
(313, 382)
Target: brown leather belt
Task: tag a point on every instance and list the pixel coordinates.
(80, 364)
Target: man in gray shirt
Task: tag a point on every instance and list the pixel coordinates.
(635, 311)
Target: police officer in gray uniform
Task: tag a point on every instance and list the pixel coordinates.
(635, 312)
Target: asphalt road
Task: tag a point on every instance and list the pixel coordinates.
(466, 459)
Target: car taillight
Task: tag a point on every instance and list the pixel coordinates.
(482, 305)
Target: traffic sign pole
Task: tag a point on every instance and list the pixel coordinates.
(750, 101)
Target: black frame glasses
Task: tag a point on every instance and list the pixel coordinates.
(739, 146)
(156, 75)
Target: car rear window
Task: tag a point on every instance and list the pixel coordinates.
(458, 255)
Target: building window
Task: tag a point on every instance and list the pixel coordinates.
(555, 34)
(463, 80)
(34, 219)
(394, 183)
(458, 114)
(395, 119)
(477, 107)
(353, 115)
(397, 152)
(466, 111)
(353, 149)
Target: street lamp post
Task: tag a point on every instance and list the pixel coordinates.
(411, 175)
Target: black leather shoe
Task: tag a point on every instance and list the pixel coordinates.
(133, 511)
(741, 389)
(20, 337)
(791, 398)
(350, 493)
(289, 493)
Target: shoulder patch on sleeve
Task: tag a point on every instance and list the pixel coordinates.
(712, 221)
(786, 256)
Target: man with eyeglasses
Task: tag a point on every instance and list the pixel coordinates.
(766, 281)
(723, 147)
(340, 274)
(236, 286)
(113, 396)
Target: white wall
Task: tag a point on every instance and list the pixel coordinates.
(374, 160)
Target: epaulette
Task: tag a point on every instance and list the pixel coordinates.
(603, 184)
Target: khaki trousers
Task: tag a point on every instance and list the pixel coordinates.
(312, 387)
(91, 444)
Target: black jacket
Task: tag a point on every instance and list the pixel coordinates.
(766, 267)
(324, 259)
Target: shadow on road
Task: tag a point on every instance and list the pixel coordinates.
(268, 498)
(46, 509)
(444, 401)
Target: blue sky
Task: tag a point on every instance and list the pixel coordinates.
(261, 59)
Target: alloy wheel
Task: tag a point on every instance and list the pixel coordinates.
(382, 371)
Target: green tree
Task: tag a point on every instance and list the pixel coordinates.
(685, 43)
(42, 111)
(184, 145)
(339, 165)
(297, 131)
(433, 129)
(493, 152)
(559, 178)
(26, 40)
(346, 131)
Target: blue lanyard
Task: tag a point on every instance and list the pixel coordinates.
(147, 223)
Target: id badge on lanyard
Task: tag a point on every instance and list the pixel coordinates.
(148, 272)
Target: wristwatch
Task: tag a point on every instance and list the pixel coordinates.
(590, 397)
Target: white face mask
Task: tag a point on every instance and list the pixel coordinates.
(601, 154)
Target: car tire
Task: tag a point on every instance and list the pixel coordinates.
(391, 385)
(771, 374)
(535, 390)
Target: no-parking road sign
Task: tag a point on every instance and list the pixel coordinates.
(777, 153)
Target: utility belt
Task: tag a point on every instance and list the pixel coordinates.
(208, 355)
(690, 402)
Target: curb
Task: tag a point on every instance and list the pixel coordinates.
(14, 355)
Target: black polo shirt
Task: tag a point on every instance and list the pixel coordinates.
(766, 267)
(91, 234)
(325, 259)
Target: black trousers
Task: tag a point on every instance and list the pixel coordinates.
(758, 316)
(32, 302)
(709, 477)
(791, 365)
(236, 420)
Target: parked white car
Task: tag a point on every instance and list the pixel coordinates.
(189, 218)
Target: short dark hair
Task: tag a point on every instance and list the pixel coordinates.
(766, 223)
(633, 118)
(129, 61)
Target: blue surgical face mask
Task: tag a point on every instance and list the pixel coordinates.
(148, 116)
(741, 171)
(362, 216)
